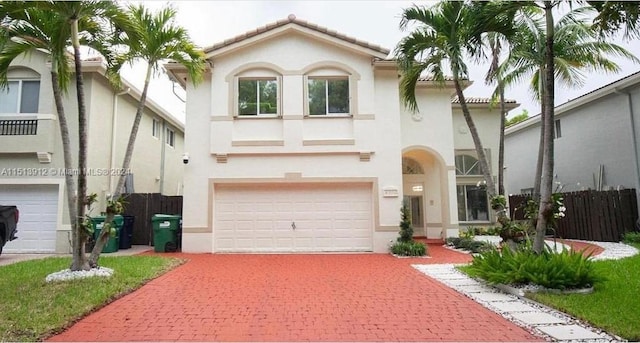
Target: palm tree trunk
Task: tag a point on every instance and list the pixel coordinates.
(103, 238)
(545, 210)
(536, 182)
(80, 229)
(503, 114)
(482, 157)
(77, 254)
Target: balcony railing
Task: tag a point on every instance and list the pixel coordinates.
(27, 133)
(18, 127)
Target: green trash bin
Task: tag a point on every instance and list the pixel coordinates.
(113, 242)
(165, 232)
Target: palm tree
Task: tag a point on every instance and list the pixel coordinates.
(23, 31)
(495, 41)
(575, 48)
(53, 27)
(614, 16)
(101, 17)
(444, 34)
(158, 39)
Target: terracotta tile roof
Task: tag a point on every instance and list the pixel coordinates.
(431, 78)
(292, 19)
(475, 100)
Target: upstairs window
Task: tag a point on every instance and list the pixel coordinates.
(328, 95)
(557, 129)
(258, 97)
(21, 96)
(155, 129)
(467, 165)
(170, 138)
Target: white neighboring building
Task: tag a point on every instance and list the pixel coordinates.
(31, 157)
(298, 142)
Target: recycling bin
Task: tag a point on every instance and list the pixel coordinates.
(113, 242)
(126, 233)
(165, 232)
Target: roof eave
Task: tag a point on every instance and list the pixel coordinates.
(241, 42)
(100, 68)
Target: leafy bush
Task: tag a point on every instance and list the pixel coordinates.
(631, 237)
(566, 270)
(468, 244)
(409, 249)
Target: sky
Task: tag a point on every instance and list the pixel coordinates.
(377, 22)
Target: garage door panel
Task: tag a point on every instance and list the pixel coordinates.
(327, 217)
(38, 205)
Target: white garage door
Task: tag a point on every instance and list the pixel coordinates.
(38, 205)
(293, 217)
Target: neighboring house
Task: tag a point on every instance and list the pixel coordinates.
(596, 144)
(31, 158)
(298, 142)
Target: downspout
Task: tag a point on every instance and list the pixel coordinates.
(112, 153)
(162, 154)
(634, 139)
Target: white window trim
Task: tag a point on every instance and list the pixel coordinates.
(19, 102)
(236, 94)
(326, 90)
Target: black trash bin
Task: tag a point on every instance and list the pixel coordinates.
(126, 233)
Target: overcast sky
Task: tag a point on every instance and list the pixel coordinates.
(376, 22)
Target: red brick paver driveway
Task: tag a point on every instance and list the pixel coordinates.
(341, 297)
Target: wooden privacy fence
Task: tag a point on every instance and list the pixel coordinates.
(603, 216)
(143, 206)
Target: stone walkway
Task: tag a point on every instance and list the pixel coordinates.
(538, 319)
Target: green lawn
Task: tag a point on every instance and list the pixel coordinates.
(615, 303)
(31, 309)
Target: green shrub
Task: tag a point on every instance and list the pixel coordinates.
(468, 244)
(631, 237)
(406, 230)
(453, 241)
(568, 269)
(409, 249)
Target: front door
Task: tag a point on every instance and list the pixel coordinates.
(414, 202)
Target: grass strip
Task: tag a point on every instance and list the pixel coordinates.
(32, 309)
(613, 306)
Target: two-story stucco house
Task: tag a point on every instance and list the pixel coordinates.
(31, 159)
(596, 142)
(298, 142)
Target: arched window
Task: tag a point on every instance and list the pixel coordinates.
(411, 166)
(329, 89)
(257, 90)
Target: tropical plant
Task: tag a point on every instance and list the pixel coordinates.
(411, 248)
(569, 269)
(517, 118)
(469, 244)
(53, 27)
(631, 237)
(442, 36)
(495, 41)
(27, 29)
(158, 38)
(548, 51)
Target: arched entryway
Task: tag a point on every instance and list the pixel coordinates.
(426, 191)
